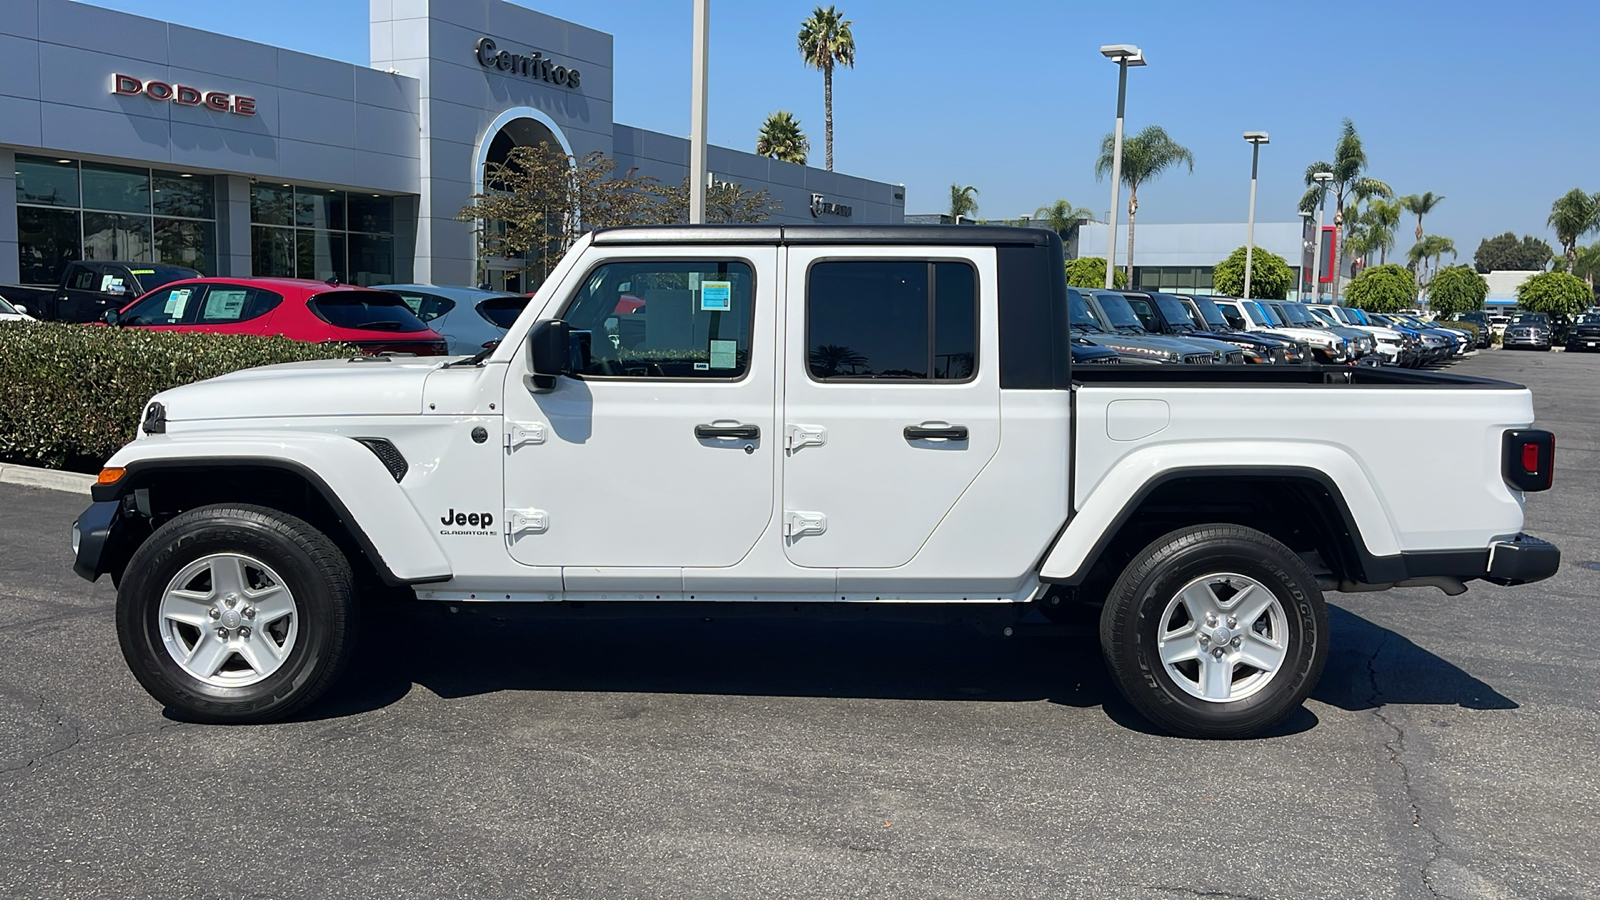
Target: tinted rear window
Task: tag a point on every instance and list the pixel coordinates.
(503, 311)
(365, 311)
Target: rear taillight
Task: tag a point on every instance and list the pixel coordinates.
(1528, 459)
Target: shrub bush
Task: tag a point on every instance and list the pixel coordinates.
(1462, 325)
(70, 395)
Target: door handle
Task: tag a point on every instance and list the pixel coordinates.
(936, 432)
(742, 432)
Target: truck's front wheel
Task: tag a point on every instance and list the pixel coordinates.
(1215, 631)
(236, 614)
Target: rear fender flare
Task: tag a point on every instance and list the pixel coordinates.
(1115, 498)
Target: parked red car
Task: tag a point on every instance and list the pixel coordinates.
(299, 309)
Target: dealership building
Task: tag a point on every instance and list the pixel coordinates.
(124, 137)
(1180, 258)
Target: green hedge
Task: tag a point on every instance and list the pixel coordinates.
(1463, 325)
(70, 395)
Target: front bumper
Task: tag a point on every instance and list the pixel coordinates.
(98, 536)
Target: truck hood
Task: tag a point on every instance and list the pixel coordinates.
(363, 386)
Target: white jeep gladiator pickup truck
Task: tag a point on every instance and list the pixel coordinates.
(806, 415)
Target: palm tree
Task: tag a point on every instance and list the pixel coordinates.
(833, 359)
(826, 41)
(1062, 216)
(781, 138)
(1587, 264)
(1573, 215)
(1349, 182)
(1420, 205)
(1432, 247)
(963, 201)
(1144, 156)
(1383, 219)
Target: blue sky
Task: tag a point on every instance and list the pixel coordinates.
(1480, 102)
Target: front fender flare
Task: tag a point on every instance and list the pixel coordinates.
(348, 476)
(1118, 494)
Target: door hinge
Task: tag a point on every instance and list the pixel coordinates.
(534, 521)
(797, 436)
(523, 433)
(797, 523)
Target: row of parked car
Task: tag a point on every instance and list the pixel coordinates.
(1130, 327)
(424, 320)
(1148, 327)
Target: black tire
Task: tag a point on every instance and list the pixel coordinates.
(314, 571)
(1130, 625)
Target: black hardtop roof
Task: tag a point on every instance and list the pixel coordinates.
(956, 235)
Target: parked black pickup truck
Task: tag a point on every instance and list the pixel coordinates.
(90, 288)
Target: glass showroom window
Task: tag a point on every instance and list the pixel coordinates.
(320, 233)
(69, 210)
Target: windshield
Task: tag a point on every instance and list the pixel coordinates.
(154, 275)
(1323, 317)
(1209, 312)
(365, 311)
(1263, 315)
(1081, 313)
(1584, 319)
(1175, 312)
(1297, 315)
(1530, 319)
(1358, 316)
(1116, 308)
(8, 309)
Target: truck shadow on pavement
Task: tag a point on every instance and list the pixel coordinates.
(491, 650)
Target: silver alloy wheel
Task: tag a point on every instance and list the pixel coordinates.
(1223, 637)
(228, 620)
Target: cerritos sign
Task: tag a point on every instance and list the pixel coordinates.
(183, 95)
(532, 65)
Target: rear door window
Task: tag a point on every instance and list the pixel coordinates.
(226, 304)
(900, 320)
(365, 311)
(502, 312)
(84, 277)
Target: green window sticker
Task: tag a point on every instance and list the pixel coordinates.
(724, 354)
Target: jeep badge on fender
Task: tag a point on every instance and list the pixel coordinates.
(478, 522)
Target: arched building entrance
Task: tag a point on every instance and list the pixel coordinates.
(523, 126)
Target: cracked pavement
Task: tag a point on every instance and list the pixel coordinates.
(1449, 751)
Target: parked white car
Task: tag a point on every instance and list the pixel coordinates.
(10, 312)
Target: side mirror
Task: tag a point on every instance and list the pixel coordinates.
(112, 317)
(20, 308)
(553, 350)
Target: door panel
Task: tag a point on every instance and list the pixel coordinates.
(887, 421)
(608, 469)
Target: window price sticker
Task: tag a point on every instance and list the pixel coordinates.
(716, 296)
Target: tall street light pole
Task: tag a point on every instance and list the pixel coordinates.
(698, 173)
(1256, 139)
(1323, 179)
(1124, 55)
(1305, 253)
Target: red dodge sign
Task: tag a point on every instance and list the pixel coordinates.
(184, 95)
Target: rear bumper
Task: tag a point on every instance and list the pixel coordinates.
(1523, 559)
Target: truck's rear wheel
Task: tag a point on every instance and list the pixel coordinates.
(236, 614)
(1215, 631)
